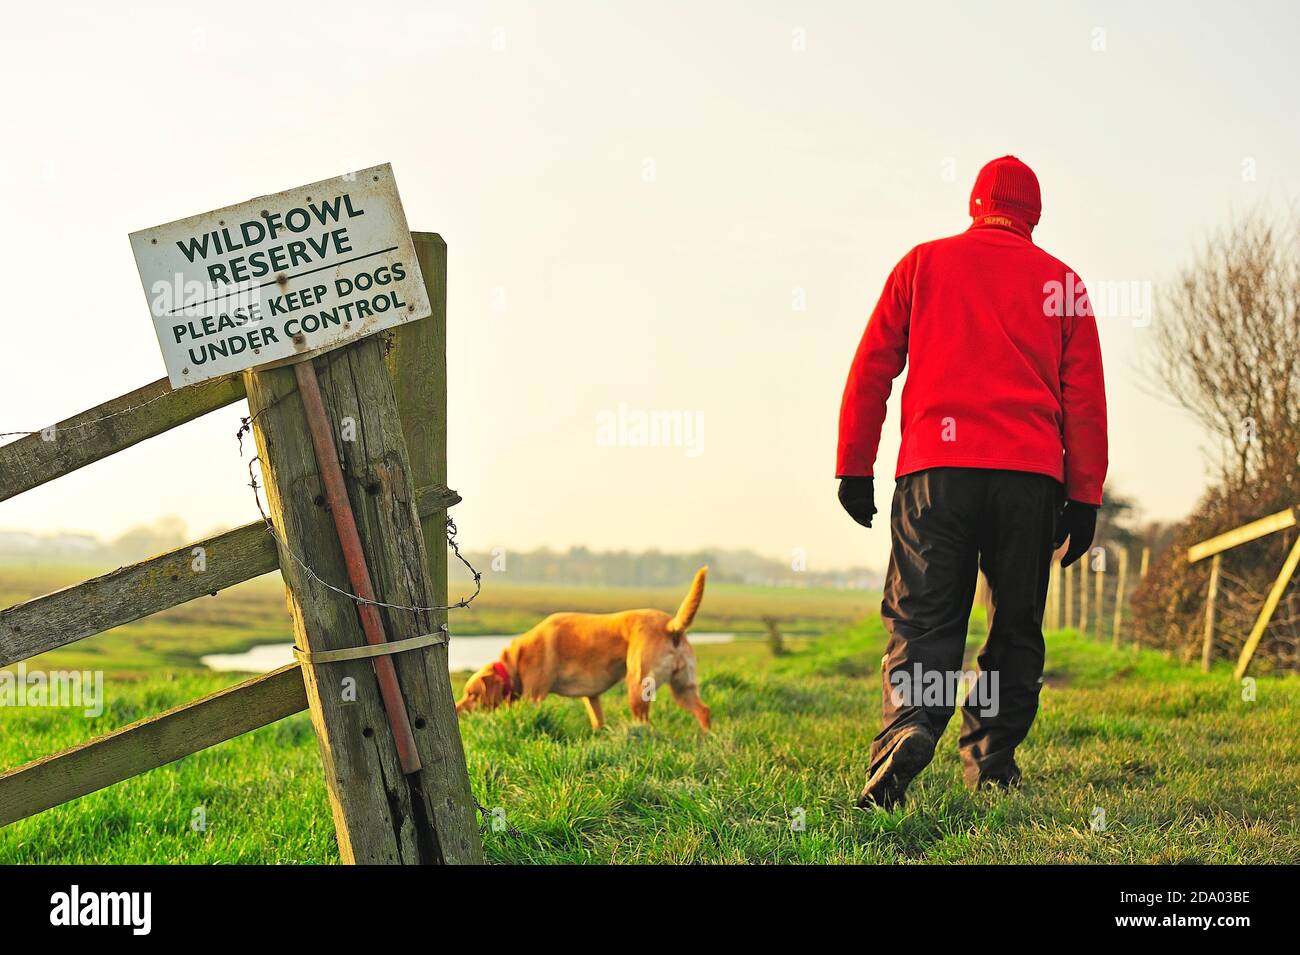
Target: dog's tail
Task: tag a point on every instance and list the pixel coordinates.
(686, 612)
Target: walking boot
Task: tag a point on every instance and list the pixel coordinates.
(912, 751)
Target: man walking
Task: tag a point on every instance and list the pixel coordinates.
(1003, 457)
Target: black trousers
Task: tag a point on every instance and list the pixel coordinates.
(946, 525)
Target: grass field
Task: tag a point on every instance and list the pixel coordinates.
(1183, 769)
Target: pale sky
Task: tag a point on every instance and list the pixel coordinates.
(635, 197)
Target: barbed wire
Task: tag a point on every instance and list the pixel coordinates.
(246, 425)
(58, 429)
(490, 815)
(451, 532)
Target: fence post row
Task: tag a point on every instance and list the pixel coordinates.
(1099, 601)
(1083, 594)
(389, 426)
(1058, 611)
(1120, 587)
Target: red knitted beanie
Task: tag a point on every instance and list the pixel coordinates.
(1007, 187)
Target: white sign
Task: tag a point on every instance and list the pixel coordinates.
(296, 272)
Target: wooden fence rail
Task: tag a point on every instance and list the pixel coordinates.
(1242, 535)
(130, 593)
(107, 429)
(150, 743)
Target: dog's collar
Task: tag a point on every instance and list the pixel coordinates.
(500, 670)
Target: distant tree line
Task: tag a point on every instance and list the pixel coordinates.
(578, 566)
(654, 568)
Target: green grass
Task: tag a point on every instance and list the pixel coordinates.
(262, 795)
(1184, 769)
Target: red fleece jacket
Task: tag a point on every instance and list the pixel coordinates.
(1004, 367)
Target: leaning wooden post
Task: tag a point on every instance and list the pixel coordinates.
(381, 815)
(1207, 644)
(1118, 623)
(1266, 612)
(1146, 560)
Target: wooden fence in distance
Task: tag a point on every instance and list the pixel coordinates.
(1091, 595)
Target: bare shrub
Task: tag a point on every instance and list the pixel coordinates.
(1228, 351)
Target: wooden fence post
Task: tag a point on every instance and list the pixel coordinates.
(1146, 560)
(381, 815)
(417, 362)
(1057, 620)
(1207, 645)
(1053, 614)
(984, 597)
(1068, 589)
(1083, 595)
(1099, 597)
(1120, 586)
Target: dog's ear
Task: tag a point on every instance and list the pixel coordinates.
(482, 691)
(494, 689)
(485, 689)
(467, 699)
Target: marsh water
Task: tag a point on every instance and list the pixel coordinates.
(465, 653)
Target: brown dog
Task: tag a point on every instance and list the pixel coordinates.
(584, 654)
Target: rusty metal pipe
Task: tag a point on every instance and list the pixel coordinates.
(336, 494)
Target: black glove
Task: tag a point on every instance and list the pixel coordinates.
(1079, 523)
(858, 497)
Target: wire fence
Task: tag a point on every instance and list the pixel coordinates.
(1237, 608)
